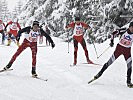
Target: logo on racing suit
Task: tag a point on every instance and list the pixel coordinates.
(127, 38)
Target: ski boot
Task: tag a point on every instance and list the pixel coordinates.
(98, 75)
(89, 61)
(9, 42)
(17, 43)
(75, 62)
(2, 43)
(33, 72)
(130, 85)
(7, 66)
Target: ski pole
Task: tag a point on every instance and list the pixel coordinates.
(103, 52)
(92, 40)
(95, 49)
(68, 42)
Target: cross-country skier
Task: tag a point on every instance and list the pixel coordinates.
(30, 40)
(122, 48)
(14, 27)
(77, 27)
(2, 26)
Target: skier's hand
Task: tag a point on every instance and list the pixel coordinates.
(5, 29)
(53, 45)
(18, 38)
(111, 44)
(115, 32)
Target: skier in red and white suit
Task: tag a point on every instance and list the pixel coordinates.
(2, 26)
(30, 40)
(77, 27)
(122, 48)
(14, 28)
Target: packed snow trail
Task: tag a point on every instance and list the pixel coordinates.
(64, 82)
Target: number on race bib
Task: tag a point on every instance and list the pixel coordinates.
(125, 42)
(79, 32)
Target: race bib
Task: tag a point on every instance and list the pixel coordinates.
(78, 30)
(14, 26)
(126, 40)
(33, 36)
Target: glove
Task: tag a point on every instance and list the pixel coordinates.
(111, 43)
(53, 45)
(18, 38)
(115, 32)
(5, 29)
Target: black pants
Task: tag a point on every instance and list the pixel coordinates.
(3, 36)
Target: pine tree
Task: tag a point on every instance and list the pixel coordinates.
(102, 15)
(15, 12)
(5, 12)
(18, 7)
(0, 9)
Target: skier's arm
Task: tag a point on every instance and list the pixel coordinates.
(48, 37)
(115, 33)
(71, 25)
(7, 25)
(18, 25)
(4, 25)
(112, 38)
(86, 26)
(26, 29)
(122, 30)
(118, 32)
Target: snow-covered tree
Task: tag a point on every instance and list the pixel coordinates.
(0, 9)
(19, 6)
(28, 11)
(5, 14)
(102, 15)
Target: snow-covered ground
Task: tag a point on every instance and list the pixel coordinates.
(64, 82)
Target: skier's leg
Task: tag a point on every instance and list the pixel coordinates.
(19, 50)
(34, 53)
(3, 37)
(17, 42)
(9, 39)
(46, 41)
(75, 50)
(115, 55)
(129, 70)
(83, 43)
(128, 58)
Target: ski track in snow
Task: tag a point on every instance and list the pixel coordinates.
(64, 82)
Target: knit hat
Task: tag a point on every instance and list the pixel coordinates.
(35, 23)
(131, 24)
